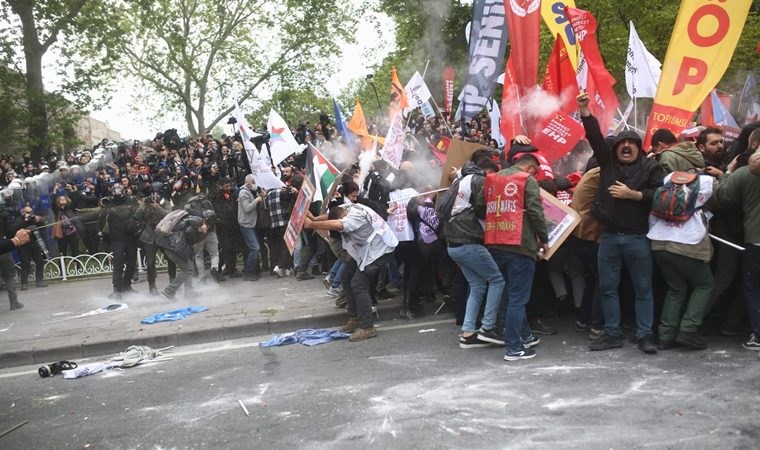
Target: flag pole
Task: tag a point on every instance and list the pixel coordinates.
(442, 116)
(635, 113)
(622, 117)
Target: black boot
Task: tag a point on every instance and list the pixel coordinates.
(116, 294)
(15, 304)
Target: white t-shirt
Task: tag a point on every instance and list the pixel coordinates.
(359, 237)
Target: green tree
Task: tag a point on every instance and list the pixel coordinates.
(295, 106)
(32, 29)
(195, 54)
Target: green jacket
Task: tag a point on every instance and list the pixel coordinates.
(741, 190)
(534, 222)
(149, 216)
(681, 157)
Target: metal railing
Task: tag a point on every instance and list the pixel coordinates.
(67, 267)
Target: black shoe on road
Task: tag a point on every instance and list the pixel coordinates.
(666, 344)
(491, 336)
(540, 327)
(606, 342)
(646, 345)
(692, 340)
(471, 341)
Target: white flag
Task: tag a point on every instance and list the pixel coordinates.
(393, 149)
(245, 131)
(495, 115)
(262, 172)
(642, 70)
(417, 92)
(281, 141)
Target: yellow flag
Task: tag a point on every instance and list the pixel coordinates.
(358, 124)
(399, 101)
(553, 13)
(701, 46)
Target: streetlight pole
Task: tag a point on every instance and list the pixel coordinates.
(377, 97)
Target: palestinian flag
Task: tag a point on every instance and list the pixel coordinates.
(321, 172)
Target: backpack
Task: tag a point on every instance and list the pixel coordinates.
(676, 200)
(166, 226)
(445, 202)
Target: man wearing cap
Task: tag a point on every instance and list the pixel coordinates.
(627, 183)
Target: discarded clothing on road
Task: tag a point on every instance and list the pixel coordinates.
(307, 336)
(134, 355)
(175, 314)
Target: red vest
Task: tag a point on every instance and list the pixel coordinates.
(505, 202)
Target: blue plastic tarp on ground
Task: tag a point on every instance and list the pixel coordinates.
(175, 314)
(307, 336)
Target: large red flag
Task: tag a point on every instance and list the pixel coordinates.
(511, 123)
(584, 26)
(557, 135)
(523, 18)
(560, 77)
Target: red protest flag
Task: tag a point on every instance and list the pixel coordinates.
(557, 135)
(523, 19)
(560, 77)
(584, 26)
(511, 123)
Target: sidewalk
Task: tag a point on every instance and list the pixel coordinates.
(237, 309)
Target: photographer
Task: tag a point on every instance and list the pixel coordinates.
(149, 215)
(6, 262)
(27, 254)
(188, 231)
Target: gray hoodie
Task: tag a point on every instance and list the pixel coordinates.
(248, 203)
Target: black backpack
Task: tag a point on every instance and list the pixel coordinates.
(445, 202)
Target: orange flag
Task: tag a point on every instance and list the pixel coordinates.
(399, 101)
(358, 124)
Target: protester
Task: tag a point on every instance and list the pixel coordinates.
(627, 184)
(249, 201)
(186, 228)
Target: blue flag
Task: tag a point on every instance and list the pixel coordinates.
(342, 127)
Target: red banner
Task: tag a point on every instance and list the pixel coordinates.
(448, 89)
(523, 18)
(511, 123)
(505, 200)
(584, 26)
(560, 77)
(557, 136)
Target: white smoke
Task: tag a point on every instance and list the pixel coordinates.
(366, 158)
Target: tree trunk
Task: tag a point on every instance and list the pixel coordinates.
(35, 90)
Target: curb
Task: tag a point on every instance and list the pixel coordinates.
(238, 330)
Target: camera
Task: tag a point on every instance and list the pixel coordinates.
(50, 370)
(37, 241)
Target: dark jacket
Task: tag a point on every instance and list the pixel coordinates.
(644, 175)
(184, 234)
(148, 216)
(465, 228)
(120, 213)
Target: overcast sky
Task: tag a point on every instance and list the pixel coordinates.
(123, 113)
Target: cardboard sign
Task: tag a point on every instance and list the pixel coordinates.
(560, 221)
(459, 153)
(295, 224)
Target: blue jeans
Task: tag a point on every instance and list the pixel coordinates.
(635, 251)
(518, 271)
(482, 274)
(752, 286)
(252, 242)
(335, 273)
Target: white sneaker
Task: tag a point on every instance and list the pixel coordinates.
(333, 292)
(288, 272)
(279, 272)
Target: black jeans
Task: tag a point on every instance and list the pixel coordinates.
(70, 243)
(357, 284)
(149, 253)
(124, 262)
(280, 256)
(9, 275)
(27, 254)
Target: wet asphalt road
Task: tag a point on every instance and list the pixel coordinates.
(403, 389)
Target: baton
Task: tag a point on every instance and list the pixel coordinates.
(730, 244)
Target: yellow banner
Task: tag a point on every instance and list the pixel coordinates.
(701, 46)
(553, 13)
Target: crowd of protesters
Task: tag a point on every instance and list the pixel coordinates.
(622, 268)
